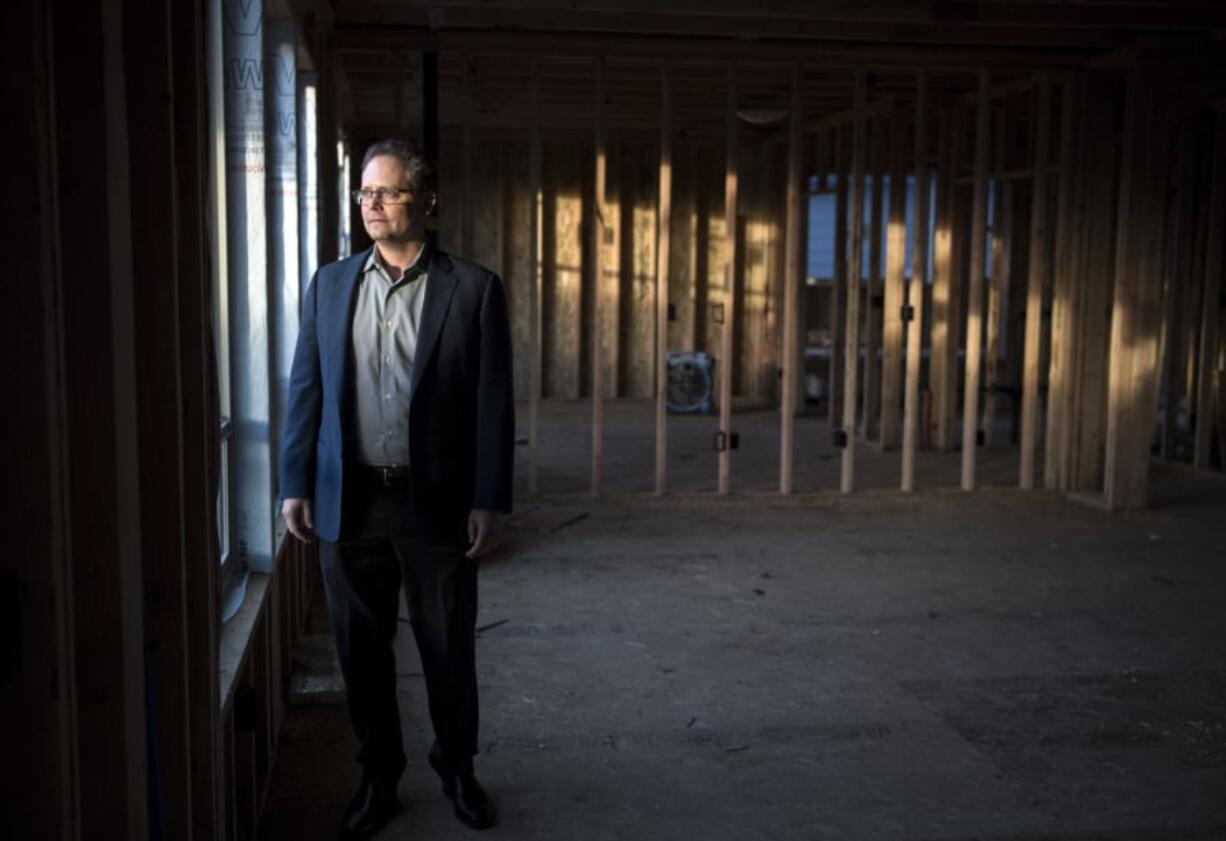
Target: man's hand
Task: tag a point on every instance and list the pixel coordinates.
(484, 532)
(299, 518)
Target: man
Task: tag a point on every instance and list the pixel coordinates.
(397, 453)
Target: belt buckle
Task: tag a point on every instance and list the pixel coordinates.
(391, 474)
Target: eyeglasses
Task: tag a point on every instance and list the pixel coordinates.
(385, 195)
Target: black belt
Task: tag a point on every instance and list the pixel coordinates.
(387, 476)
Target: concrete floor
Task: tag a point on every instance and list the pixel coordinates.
(998, 665)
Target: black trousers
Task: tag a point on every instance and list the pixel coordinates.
(363, 572)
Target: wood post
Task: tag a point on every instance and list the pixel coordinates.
(851, 348)
(1038, 268)
(1088, 389)
(159, 398)
(946, 292)
(597, 251)
(919, 273)
(838, 298)
(895, 295)
(1208, 368)
(873, 293)
(998, 282)
(199, 417)
(974, 305)
(664, 216)
(535, 225)
(1136, 309)
(792, 280)
(728, 303)
(465, 247)
(38, 695)
(1065, 294)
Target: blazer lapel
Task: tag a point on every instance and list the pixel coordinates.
(336, 325)
(440, 284)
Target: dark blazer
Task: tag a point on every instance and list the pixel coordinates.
(461, 413)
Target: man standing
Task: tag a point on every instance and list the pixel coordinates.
(397, 452)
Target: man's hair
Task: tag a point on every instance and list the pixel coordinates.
(422, 172)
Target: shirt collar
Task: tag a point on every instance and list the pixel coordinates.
(419, 267)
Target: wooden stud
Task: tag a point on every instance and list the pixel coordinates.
(99, 444)
(702, 251)
(535, 226)
(1038, 268)
(160, 398)
(467, 211)
(792, 280)
(821, 167)
(664, 216)
(998, 282)
(895, 293)
(39, 698)
(851, 347)
(1209, 365)
(874, 292)
(1136, 309)
(837, 293)
(597, 229)
(1064, 341)
(1087, 393)
(726, 361)
(946, 290)
(974, 315)
(919, 277)
(1180, 256)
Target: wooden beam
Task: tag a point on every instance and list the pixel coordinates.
(974, 315)
(726, 361)
(597, 250)
(919, 272)
(876, 108)
(792, 284)
(1002, 90)
(535, 226)
(851, 351)
(1038, 267)
(664, 216)
(818, 44)
(1017, 174)
(1209, 365)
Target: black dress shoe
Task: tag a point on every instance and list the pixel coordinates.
(371, 809)
(473, 806)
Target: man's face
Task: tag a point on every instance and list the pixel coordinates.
(392, 223)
